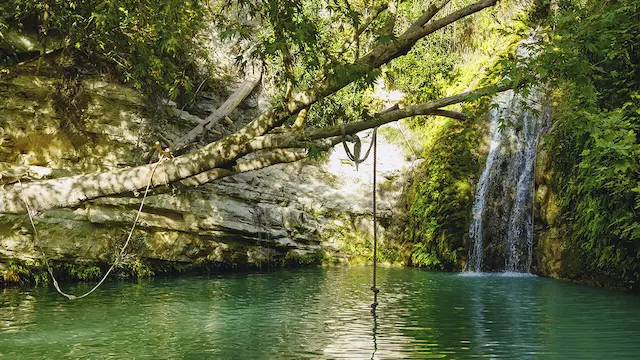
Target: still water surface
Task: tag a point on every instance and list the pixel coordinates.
(323, 313)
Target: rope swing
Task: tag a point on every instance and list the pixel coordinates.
(375, 290)
(355, 157)
(118, 257)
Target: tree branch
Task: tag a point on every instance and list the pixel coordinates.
(40, 55)
(380, 55)
(427, 15)
(71, 191)
(394, 115)
(455, 16)
(295, 139)
(391, 50)
(450, 114)
(277, 156)
(223, 111)
(357, 32)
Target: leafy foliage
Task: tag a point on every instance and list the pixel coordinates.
(295, 38)
(20, 272)
(150, 44)
(590, 58)
(439, 200)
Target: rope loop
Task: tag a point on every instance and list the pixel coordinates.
(357, 147)
(118, 257)
(374, 143)
(355, 157)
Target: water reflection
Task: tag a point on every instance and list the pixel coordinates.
(324, 314)
(16, 310)
(375, 335)
(499, 322)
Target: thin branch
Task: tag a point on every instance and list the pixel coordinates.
(427, 15)
(193, 99)
(389, 115)
(361, 29)
(165, 141)
(41, 55)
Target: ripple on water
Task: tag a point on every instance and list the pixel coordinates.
(325, 313)
(506, 274)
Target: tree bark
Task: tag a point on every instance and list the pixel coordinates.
(277, 156)
(288, 140)
(71, 191)
(223, 111)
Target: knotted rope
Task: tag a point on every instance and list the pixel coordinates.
(375, 290)
(355, 157)
(118, 257)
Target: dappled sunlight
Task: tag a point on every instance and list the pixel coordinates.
(391, 162)
(153, 140)
(108, 135)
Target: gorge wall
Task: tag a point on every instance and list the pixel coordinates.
(550, 233)
(289, 214)
(557, 254)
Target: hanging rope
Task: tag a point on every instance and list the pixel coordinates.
(355, 157)
(118, 257)
(375, 290)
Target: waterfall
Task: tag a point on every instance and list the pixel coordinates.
(502, 210)
(475, 231)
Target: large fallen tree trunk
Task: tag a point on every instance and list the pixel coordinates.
(223, 111)
(216, 159)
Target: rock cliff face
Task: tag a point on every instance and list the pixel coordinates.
(549, 236)
(297, 213)
(552, 255)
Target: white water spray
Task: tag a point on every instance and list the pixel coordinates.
(503, 203)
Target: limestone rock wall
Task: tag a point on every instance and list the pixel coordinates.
(287, 214)
(552, 255)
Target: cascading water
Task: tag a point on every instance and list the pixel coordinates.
(475, 231)
(502, 211)
(501, 231)
(520, 231)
